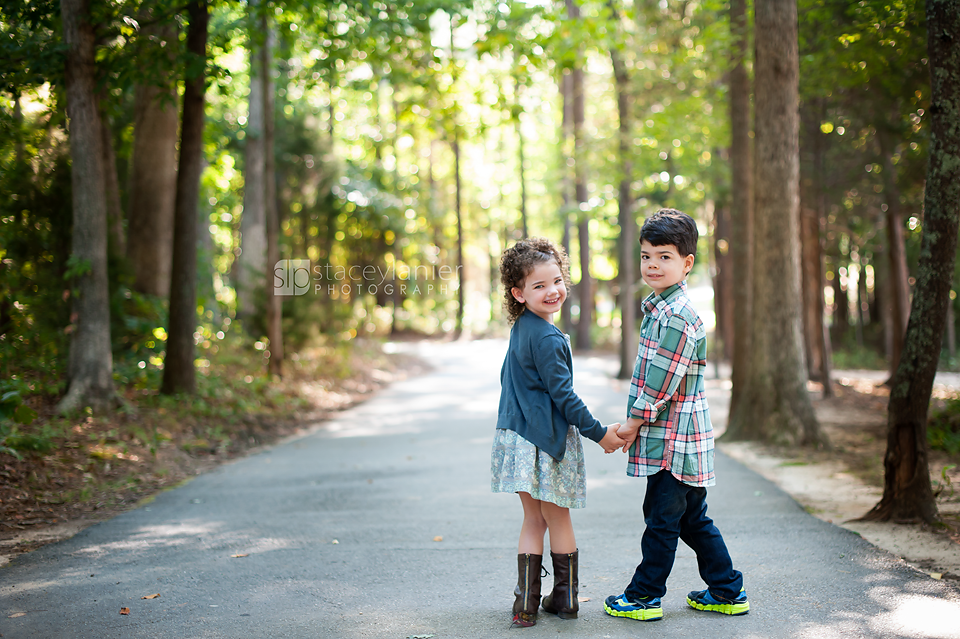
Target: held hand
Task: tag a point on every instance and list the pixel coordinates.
(628, 432)
(611, 440)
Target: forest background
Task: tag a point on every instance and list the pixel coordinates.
(214, 212)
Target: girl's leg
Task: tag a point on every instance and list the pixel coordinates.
(562, 600)
(534, 526)
(529, 562)
(557, 518)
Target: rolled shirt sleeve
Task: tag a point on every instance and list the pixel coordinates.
(666, 369)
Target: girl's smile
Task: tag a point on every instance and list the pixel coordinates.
(543, 290)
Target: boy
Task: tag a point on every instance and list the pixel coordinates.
(669, 435)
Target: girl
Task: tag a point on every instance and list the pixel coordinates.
(536, 452)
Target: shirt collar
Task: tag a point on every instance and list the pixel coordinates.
(656, 301)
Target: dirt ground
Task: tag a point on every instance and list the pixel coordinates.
(843, 484)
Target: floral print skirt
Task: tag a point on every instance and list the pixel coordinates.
(516, 466)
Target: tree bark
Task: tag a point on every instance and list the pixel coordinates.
(899, 275)
(153, 178)
(809, 266)
(90, 366)
(458, 204)
(774, 405)
(251, 264)
(741, 209)
(516, 112)
(566, 184)
(628, 230)
(116, 243)
(724, 283)
(823, 332)
(585, 287)
(458, 330)
(271, 206)
(907, 495)
(179, 374)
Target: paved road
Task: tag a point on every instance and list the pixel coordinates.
(338, 530)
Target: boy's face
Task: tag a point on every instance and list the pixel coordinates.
(543, 290)
(662, 266)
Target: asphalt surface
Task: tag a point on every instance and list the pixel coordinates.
(382, 524)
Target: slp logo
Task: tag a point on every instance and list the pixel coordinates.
(291, 277)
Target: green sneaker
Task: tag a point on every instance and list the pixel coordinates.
(703, 600)
(647, 610)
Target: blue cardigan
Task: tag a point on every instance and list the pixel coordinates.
(536, 388)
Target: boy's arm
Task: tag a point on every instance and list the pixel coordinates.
(666, 370)
(550, 357)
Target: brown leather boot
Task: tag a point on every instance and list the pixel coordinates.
(563, 600)
(527, 590)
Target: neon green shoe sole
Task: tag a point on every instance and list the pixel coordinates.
(703, 600)
(619, 606)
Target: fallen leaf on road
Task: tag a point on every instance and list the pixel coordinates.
(150, 596)
(16, 614)
(583, 599)
(936, 575)
(438, 538)
(246, 554)
(124, 611)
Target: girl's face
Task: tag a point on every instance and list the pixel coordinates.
(661, 266)
(543, 290)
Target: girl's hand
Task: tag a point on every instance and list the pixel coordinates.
(611, 440)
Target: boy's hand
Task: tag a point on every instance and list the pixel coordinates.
(628, 432)
(611, 440)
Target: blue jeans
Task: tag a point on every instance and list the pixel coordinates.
(673, 510)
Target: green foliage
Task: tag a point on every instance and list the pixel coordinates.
(943, 428)
(31, 53)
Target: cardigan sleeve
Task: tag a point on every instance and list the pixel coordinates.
(552, 358)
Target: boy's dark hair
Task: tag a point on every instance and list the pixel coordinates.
(670, 226)
(517, 262)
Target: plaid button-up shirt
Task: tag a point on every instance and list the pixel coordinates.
(667, 392)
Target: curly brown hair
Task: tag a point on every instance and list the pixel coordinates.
(517, 262)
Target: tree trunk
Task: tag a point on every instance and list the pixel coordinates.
(741, 210)
(251, 264)
(90, 367)
(179, 375)
(153, 179)
(724, 284)
(566, 184)
(841, 304)
(774, 405)
(585, 287)
(810, 252)
(907, 495)
(271, 205)
(458, 330)
(899, 275)
(820, 197)
(628, 230)
(116, 243)
(516, 112)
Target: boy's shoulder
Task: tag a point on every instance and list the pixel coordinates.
(680, 307)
